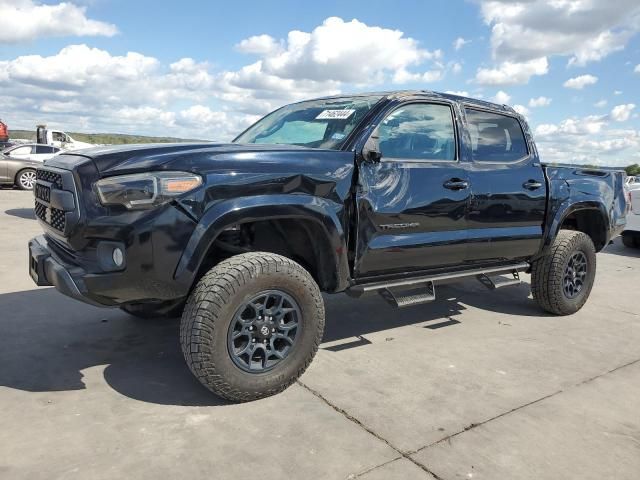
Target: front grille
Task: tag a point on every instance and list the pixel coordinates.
(43, 193)
(49, 181)
(54, 217)
(49, 176)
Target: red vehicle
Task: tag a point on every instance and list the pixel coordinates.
(4, 132)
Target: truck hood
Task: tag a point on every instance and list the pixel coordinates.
(196, 157)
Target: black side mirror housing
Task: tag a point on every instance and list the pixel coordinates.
(371, 150)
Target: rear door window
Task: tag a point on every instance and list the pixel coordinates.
(495, 137)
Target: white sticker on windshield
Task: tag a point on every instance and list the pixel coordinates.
(335, 114)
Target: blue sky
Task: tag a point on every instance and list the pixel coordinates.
(201, 69)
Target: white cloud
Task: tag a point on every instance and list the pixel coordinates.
(621, 113)
(600, 103)
(637, 69)
(456, 67)
(332, 51)
(259, 44)
(512, 73)
(521, 109)
(584, 30)
(26, 20)
(402, 76)
(591, 125)
(539, 102)
(460, 42)
(578, 83)
(90, 89)
(501, 97)
(587, 140)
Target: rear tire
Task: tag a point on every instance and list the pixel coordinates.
(26, 179)
(561, 281)
(252, 325)
(631, 240)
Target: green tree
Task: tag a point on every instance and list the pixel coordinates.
(633, 169)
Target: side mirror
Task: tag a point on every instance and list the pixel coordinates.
(371, 150)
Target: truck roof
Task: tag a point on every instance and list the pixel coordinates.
(399, 94)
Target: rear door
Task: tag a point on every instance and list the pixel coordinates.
(412, 204)
(508, 188)
(43, 152)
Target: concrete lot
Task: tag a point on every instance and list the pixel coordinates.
(478, 385)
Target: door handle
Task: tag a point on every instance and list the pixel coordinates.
(456, 184)
(532, 184)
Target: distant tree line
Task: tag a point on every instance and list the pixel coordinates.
(103, 138)
(633, 170)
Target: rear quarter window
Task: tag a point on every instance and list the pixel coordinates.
(495, 137)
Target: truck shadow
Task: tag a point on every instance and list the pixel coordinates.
(49, 343)
(617, 248)
(26, 213)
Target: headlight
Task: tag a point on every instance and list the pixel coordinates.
(145, 190)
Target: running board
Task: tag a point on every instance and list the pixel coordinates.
(358, 290)
(417, 295)
(499, 281)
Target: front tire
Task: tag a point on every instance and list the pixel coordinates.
(561, 281)
(26, 179)
(252, 325)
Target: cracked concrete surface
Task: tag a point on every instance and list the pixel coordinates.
(478, 384)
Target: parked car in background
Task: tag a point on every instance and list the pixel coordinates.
(31, 151)
(631, 233)
(18, 171)
(632, 183)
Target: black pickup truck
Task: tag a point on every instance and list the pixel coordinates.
(389, 193)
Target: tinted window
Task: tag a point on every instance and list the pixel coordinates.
(43, 149)
(495, 137)
(418, 131)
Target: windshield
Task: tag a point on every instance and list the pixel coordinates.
(322, 123)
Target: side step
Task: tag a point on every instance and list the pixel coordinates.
(499, 281)
(421, 282)
(415, 296)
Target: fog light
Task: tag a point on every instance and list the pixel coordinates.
(118, 257)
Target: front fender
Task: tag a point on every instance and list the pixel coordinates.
(265, 207)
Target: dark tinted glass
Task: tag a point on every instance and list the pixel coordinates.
(43, 149)
(418, 131)
(495, 137)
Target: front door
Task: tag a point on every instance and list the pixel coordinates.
(508, 189)
(412, 204)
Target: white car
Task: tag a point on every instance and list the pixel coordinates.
(31, 151)
(632, 183)
(631, 233)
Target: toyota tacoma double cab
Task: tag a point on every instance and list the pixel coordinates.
(388, 193)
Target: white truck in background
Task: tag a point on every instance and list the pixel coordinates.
(59, 139)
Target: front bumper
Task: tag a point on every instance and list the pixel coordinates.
(47, 270)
